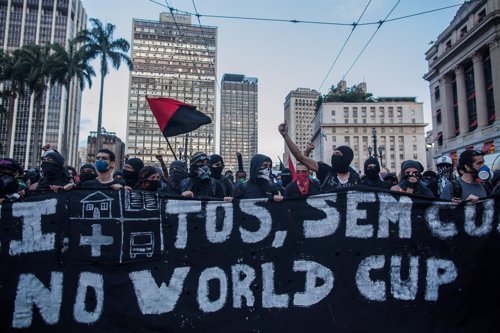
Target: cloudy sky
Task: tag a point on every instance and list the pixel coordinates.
(286, 56)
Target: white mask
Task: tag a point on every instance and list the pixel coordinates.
(264, 173)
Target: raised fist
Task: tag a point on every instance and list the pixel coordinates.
(283, 128)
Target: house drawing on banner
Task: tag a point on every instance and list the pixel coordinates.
(139, 200)
(96, 206)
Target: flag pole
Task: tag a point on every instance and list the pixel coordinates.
(169, 146)
(186, 148)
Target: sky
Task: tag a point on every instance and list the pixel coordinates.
(286, 56)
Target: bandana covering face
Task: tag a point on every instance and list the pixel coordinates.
(303, 182)
(203, 172)
(264, 173)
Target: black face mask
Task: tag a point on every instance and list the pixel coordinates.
(286, 179)
(372, 174)
(340, 163)
(231, 178)
(216, 172)
(8, 184)
(130, 174)
(51, 170)
(152, 185)
(87, 176)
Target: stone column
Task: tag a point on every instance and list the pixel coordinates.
(480, 87)
(495, 72)
(447, 114)
(463, 117)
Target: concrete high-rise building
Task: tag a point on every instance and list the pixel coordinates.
(239, 115)
(395, 123)
(110, 141)
(176, 59)
(40, 22)
(300, 107)
(464, 81)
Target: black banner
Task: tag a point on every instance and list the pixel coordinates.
(350, 261)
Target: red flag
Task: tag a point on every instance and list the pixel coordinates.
(175, 117)
(292, 168)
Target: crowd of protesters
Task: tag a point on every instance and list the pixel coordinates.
(204, 178)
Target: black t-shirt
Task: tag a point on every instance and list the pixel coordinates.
(94, 183)
(329, 180)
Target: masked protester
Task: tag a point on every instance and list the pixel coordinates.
(10, 189)
(286, 177)
(199, 184)
(177, 172)
(260, 184)
(53, 175)
(229, 175)
(466, 186)
(391, 178)
(444, 168)
(104, 165)
(303, 186)
(149, 179)
(216, 166)
(372, 173)
(411, 179)
(118, 175)
(87, 172)
(31, 176)
(131, 171)
(241, 177)
(428, 176)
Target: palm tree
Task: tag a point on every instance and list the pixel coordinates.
(11, 78)
(67, 65)
(34, 60)
(100, 43)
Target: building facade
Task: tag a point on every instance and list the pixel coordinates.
(110, 141)
(176, 59)
(300, 107)
(464, 80)
(396, 124)
(40, 22)
(239, 119)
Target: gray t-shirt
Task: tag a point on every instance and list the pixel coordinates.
(467, 189)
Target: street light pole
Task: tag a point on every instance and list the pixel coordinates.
(374, 135)
(380, 150)
(370, 151)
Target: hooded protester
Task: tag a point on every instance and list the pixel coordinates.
(177, 172)
(444, 168)
(31, 176)
(53, 175)
(149, 179)
(260, 184)
(9, 185)
(131, 171)
(372, 172)
(303, 186)
(392, 178)
(216, 166)
(286, 177)
(199, 184)
(338, 175)
(229, 175)
(411, 179)
(87, 172)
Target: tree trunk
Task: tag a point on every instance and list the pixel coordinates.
(9, 125)
(99, 118)
(65, 139)
(36, 142)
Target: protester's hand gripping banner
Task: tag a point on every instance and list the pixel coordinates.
(350, 261)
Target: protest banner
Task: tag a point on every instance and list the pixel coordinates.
(355, 260)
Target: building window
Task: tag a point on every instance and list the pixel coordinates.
(437, 94)
(480, 16)
(334, 138)
(438, 117)
(463, 31)
(448, 45)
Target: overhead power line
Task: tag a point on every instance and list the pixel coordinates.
(371, 38)
(343, 46)
(296, 21)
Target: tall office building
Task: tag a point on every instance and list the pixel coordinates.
(176, 59)
(239, 115)
(395, 125)
(40, 22)
(464, 79)
(300, 106)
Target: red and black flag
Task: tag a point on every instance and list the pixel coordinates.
(175, 117)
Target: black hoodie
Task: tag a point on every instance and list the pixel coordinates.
(256, 187)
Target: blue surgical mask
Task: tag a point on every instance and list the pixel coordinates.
(101, 165)
(484, 173)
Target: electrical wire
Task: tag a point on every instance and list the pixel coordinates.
(343, 46)
(295, 21)
(369, 40)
